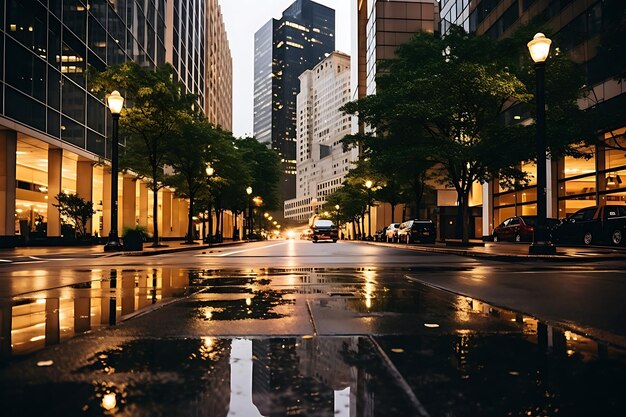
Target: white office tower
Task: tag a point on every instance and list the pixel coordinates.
(321, 163)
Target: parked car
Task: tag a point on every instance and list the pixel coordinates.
(417, 231)
(594, 224)
(379, 236)
(520, 229)
(324, 230)
(391, 232)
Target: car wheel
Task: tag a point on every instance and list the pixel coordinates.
(616, 237)
(496, 238)
(518, 238)
(334, 240)
(587, 238)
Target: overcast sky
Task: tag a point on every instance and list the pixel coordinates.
(243, 18)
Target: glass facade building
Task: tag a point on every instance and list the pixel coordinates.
(284, 49)
(55, 134)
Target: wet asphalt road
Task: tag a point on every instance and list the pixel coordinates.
(296, 328)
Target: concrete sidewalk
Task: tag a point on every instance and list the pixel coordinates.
(98, 250)
(516, 252)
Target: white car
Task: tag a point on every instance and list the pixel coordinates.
(391, 233)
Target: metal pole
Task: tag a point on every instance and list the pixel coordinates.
(249, 217)
(113, 243)
(540, 243)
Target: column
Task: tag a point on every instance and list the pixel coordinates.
(487, 208)
(8, 149)
(176, 218)
(143, 204)
(129, 202)
(182, 216)
(106, 202)
(84, 185)
(55, 171)
(166, 213)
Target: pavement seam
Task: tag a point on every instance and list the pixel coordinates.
(398, 376)
(308, 306)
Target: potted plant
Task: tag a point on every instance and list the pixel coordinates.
(134, 237)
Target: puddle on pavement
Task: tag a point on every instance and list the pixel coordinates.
(462, 357)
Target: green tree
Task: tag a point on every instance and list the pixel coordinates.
(75, 209)
(442, 101)
(150, 122)
(190, 159)
(263, 165)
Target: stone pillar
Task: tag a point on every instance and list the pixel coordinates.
(8, 149)
(487, 208)
(106, 202)
(84, 185)
(166, 213)
(55, 171)
(129, 202)
(143, 204)
(176, 218)
(183, 216)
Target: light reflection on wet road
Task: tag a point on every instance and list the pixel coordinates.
(301, 341)
(292, 328)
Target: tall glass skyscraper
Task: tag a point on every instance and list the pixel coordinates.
(284, 49)
(54, 133)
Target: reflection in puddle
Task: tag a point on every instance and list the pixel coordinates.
(50, 317)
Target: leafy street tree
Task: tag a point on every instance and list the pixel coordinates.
(150, 122)
(75, 209)
(189, 161)
(441, 102)
(263, 165)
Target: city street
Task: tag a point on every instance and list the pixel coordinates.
(288, 327)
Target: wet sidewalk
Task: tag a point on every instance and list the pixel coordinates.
(515, 252)
(98, 250)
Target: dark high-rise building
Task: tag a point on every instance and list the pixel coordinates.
(284, 49)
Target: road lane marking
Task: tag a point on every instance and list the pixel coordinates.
(248, 250)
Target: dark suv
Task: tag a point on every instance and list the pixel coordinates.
(324, 230)
(594, 224)
(417, 231)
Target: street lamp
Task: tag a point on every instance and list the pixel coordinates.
(209, 173)
(539, 49)
(249, 192)
(369, 184)
(116, 102)
(337, 215)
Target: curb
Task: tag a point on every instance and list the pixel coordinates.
(501, 257)
(180, 249)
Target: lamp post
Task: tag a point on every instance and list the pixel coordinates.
(337, 215)
(209, 173)
(249, 192)
(369, 184)
(539, 49)
(116, 102)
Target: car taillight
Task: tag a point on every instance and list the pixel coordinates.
(531, 229)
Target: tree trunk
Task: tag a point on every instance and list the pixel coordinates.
(353, 230)
(393, 209)
(190, 234)
(155, 216)
(210, 234)
(463, 217)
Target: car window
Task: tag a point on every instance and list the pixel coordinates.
(622, 211)
(615, 212)
(323, 223)
(530, 221)
(514, 222)
(588, 213)
(579, 215)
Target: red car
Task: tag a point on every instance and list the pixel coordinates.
(520, 229)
